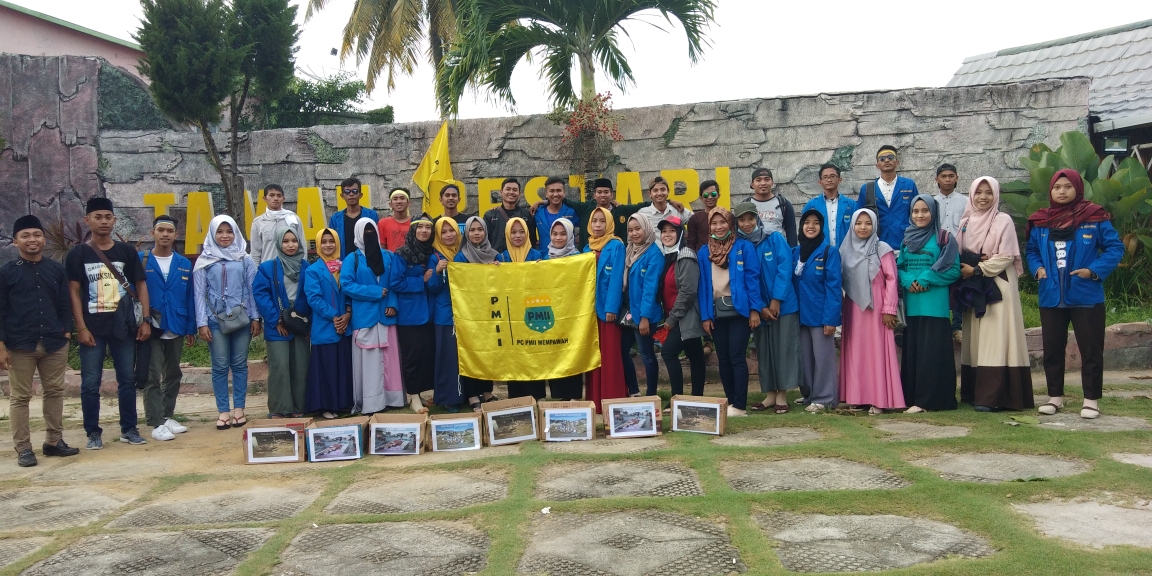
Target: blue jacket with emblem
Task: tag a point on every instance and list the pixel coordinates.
(776, 265)
(1095, 246)
(894, 216)
(609, 278)
(644, 285)
(819, 287)
(270, 275)
(845, 206)
(743, 277)
(326, 300)
(439, 294)
(533, 256)
(412, 293)
(175, 297)
(364, 289)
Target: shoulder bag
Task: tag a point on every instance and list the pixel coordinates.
(290, 319)
(235, 318)
(129, 313)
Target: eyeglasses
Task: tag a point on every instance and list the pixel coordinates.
(829, 177)
(712, 194)
(886, 158)
(351, 191)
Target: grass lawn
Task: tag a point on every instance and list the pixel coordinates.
(197, 355)
(1117, 313)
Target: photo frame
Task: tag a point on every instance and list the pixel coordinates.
(632, 419)
(332, 443)
(456, 434)
(273, 445)
(568, 424)
(395, 439)
(511, 425)
(700, 417)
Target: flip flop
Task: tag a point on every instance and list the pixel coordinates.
(224, 423)
(758, 407)
(782, 408)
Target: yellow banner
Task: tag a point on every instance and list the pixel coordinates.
(526, 321)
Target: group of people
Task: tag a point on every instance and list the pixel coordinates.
(368, 325)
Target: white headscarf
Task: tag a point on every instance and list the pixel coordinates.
(358, 232)
(860, 261)
(570, 247)
(213, 253)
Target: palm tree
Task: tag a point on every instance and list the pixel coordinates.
(390, 35)
(495, 35)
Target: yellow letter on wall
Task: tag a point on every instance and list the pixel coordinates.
(725, 181)
(310, 209)
(534, 190)
(160, 202)
(484, 189)
(691, 180)
(200, 213)
(577, 181)
(628, 188)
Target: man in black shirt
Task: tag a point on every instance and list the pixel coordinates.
(35, 325)
(509, 208)
(96, 293)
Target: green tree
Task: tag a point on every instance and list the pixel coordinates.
(308, 103)
(496, 35)
(203, 54)
(390, 35)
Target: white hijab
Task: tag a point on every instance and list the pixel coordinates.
(212, 253)
(358, 232)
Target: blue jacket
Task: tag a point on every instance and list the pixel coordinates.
(336, 222)
(545, 220)
(363, 289)
(845, 206)
(175, 297)
(609, 279)
(893, 217)
(325, 300)
(743, 277)
(262, 287)
(439, 294)
(411, 293)
(819, 287)
(776, 265)
(644, 285)
(533, 255)
(1095, 246)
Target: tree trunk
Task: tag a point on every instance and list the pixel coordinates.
(232, 207)
(234, 194)
(587, 76)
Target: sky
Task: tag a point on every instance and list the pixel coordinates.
(758, 49)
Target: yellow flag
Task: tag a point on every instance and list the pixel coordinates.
(435, 172)
(526, 321)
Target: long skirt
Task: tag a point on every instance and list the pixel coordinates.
(330, 377)
(994, 367)
(607, 381)
(869, 366)
(567, 388)
(928, 365)
(533, 388)
(447, 389)
(778, 353)
(418, 357)
(287, 375)
(376, 380)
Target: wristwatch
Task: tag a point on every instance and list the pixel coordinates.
(1095, 277)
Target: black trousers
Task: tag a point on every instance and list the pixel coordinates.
(417, 357)
(1088, 325)
(694, 350)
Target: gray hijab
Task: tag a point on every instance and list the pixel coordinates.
(482, 253)
(569, 247)
(290, 264)
(860, 261)
(915, 238)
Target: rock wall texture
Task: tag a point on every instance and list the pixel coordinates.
(69, 138)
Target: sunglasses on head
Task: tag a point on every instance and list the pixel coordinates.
(712, 194)
(886, 157)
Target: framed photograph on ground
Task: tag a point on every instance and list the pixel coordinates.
(334, 443)
(567, 424)
(272, 445)
(630, 420)
(511, 425)
(696, 417)
(395, 439)
(456, 434)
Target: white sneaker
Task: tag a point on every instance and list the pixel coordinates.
(175, 427)
(814, 407)
(734, 412)
(162, 433)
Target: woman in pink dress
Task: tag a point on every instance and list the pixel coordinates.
(869, 370)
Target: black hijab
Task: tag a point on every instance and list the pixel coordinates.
(415, 251)
(809, 245)
(372, 253)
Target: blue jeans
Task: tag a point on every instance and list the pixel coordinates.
(123, 353)
(628, 337)
(229, 351)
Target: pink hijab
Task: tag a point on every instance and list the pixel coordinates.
(990, 232)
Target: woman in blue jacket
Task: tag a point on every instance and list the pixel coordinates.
(818, 281)
(476, 250)
(446, 388)
(1072, 248)
(330, 364)
(643, 265)
(275, 290)
(417, 334)
(607, 381)
(366, 279)
(730, 302)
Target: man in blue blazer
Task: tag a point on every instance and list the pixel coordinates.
(836, 208)
(889, 196)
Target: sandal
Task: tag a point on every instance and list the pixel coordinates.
(667, 411)
(476, 407)
(1089, 412)
(239, 422)
(1055, 408)
(223, 422)
(781, 408)
(758, 407)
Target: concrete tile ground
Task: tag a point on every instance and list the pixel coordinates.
(615, 479)
(222, 502)
(1144, 460)
(389, 549)
(768, 437)
(1000, 467)
(191, 552)
(55, 507)
(394, 494)
(1093, 523)
(808, 474)
(14, 549)
(903, 431)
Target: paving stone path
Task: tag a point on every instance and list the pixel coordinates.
(230, 505)
(387, 549)
(1144, 460)
(49, 508)
(1073, 422)
(819, 543)
(991, 468)
(416, 492)
(14, 549)
(191, 552)
(769, 437)
(614, 479)
(607, 446)
(808, 474)
(902, 431)
(1092, 523)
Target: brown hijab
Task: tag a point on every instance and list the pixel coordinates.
(718, 247)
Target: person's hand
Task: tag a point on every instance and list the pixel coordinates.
(984, 257)
(256, 328)
(4, 358)
(389, 311)
(383, 292)
(205, 334)
(644, 327)
(441, 266)
(533, 207)
(143, 332)
(707, 326)
(85, 337)
(829, 330)
(189, 341)
(966, 271)
(341, 322)
(1041, 273)
(916, 287)
(1083, 273)
(609, 317)
(675, 204)
(753, 319)
(890, 321)
(773, 310)
(281, 330)
(428, 274)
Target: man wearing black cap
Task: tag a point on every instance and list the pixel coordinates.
(35, 325)
(952, 203)
(776, 212)
(97, 289)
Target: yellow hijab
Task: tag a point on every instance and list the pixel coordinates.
(332, 262)
(449, 252)
(516, 254)
(598, 243)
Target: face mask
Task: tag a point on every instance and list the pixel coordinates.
(720, 238)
